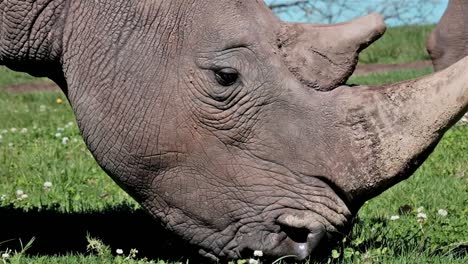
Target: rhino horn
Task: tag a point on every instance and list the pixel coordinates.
(395, 127)
(324, 56)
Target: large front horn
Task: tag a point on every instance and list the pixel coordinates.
(392, 129)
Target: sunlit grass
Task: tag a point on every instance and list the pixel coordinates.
(389, 77)
(399, 45)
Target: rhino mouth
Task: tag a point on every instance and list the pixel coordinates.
(300, 233)
(309, 233)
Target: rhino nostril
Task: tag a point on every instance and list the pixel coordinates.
(303, 234)
(298, 235)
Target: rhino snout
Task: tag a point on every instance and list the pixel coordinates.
(304, 235)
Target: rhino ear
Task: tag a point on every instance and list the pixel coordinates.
(31, 36)
(324, 56)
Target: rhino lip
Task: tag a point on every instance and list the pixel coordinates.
(306, 233)
(302, 249)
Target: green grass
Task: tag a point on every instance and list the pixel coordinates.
(398, 45)
(37, 155)
(388, 77)
(8, 77)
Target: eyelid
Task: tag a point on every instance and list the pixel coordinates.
(228, 70)
(216, 60)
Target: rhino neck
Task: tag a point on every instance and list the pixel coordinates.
(31, 36)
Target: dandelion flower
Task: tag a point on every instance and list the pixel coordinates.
(258, 253)
(5, 255)
(394, 217)
(420, 209)
(442, 212)
(47, 185)
(19, 192)
(119, 251)
(59, 101)
(65, 140)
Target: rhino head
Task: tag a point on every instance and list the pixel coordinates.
(232, 128)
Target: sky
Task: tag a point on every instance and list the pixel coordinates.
(360, 7)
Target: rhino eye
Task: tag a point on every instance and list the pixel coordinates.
(226, 76)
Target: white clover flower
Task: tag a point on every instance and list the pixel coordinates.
(258, 253)
(253, 261)
(47, 184)
(24, 196)
(5, 255)
(70, 124)
(42, 108)
(422, 216)
(58, 135)
(19, 192)
(10, 145)
(60, 129)
(3, 197)
(464, 119)
(4, 131)
(24, 130)
(13, 129)
(119, 251)
(420, 209)
(442, 212)
(65, 140)
(394, 217)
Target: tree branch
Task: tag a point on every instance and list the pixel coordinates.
(287, 5)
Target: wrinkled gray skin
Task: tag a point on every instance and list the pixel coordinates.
(279, 160)
(449, 41)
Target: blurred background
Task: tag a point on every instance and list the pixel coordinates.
(396, 12)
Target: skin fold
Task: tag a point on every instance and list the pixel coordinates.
(232, 128)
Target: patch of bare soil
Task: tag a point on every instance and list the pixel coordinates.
(366, 69)
(32, 87)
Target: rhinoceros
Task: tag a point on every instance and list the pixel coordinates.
(448, 43)
(232, 128)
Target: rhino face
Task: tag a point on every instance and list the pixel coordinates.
(233, 128)
(244, 144)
